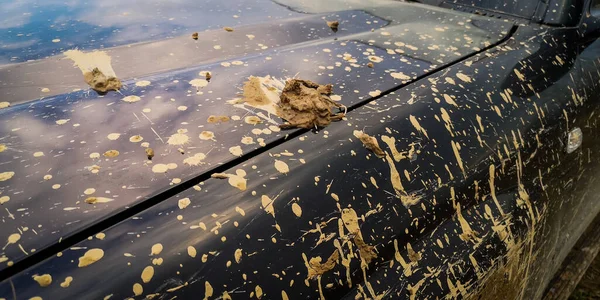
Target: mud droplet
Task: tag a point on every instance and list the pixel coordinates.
(198, 83)
(228, 29)
(375, 59)
(4, 176)
(252, 120)
(113, 136)
(156, 249)
(62, 121)
(206, 135)
(400, 76)
(136, 139)
(89, 191)
(217, 119)
(178, 139)
(238, 255)
(137, 289)
(375, 93)
(43, 280)
(191, 251)
(38, 154)
(282, 167)
(142, 83)
(95, 155)
(67, 282)
(296, 209)
(369, 142)
(195, 160)
(236, 151)
(183, 203)
(4, 199)
(149, 153)
(111, 153)
(91, 256)
(160, 168)
(147, 274)
(131, 99)
(4, 104)
(94, 200)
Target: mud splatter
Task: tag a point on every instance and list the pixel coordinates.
(236, 151)
(179, 138)
(91, 256)
(195, 160)
(217, 119)
(96, 68)
(236, 180)
(4, 176)
(334, 25)
(206, 135)
(94, 200)
(142, 83)
(417, 126)
(131, 99)
(43, 280)
(160, 168)
(67, 282)
(369, 142)
(111, 153)
(282, 167)
(147, 274)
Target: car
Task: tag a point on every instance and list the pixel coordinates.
(295, 149)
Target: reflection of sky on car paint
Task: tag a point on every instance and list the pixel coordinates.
(28, 28)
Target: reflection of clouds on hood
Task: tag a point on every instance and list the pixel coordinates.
(14, 21)
(320, 6)
(18, 45)
(99, 24)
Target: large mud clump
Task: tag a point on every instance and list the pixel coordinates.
(305, 104)
(100, 82)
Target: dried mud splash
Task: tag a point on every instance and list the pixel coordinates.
(305, 104)
(100, 82)
(97, 70)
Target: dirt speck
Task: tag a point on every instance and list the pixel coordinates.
(305, 104)
(370, 65)
(228, 29)
(149, 153)
(334, 25)
(4, 104)
(369, 142)
(195, 36)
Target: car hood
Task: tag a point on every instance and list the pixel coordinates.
(62, 149)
